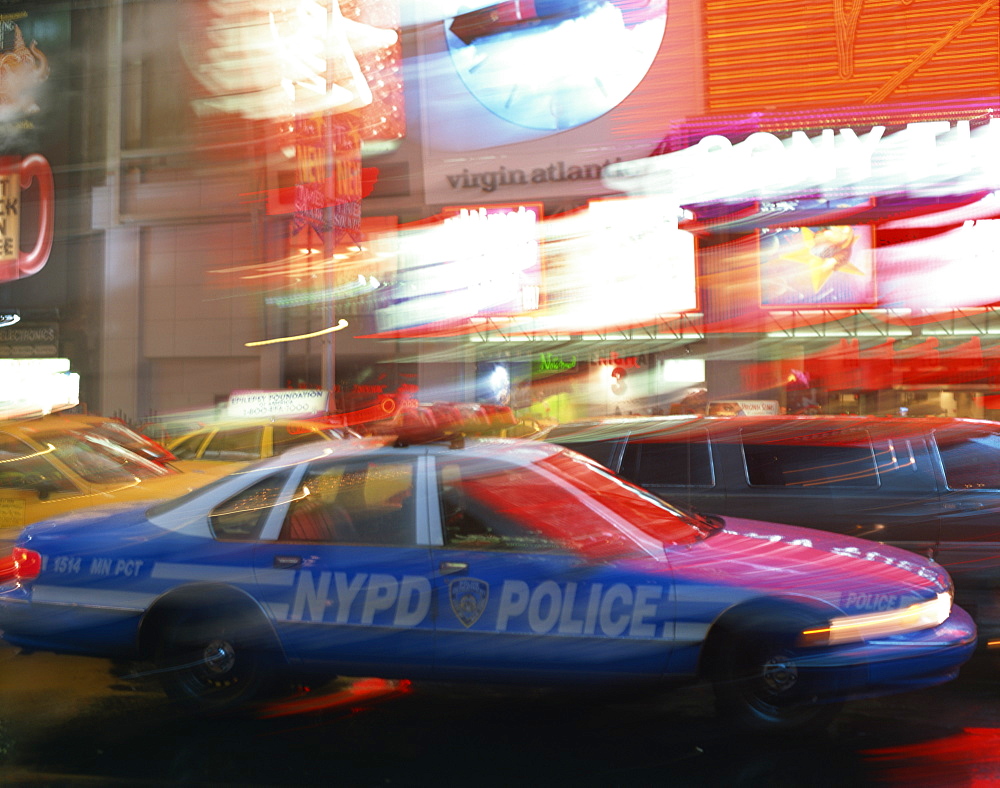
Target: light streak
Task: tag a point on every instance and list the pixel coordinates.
(340, 324)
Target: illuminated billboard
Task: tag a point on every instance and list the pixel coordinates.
(554, 66)
(36, 386)
(817, 266)
(834, 54)
(540, 83)
(481, 261)
(621, 262)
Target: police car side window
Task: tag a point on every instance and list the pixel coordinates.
(470, 519)
(241, 517)
(354, 502)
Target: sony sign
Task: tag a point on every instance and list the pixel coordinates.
(931, 158)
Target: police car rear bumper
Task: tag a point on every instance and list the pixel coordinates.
(69, 629)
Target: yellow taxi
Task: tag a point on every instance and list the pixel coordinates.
(116, 431)
(50, 465)
(233, 443)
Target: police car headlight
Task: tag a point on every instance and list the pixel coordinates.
(851, 629)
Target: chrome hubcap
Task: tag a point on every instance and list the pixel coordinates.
(219, 657)
(780, 674)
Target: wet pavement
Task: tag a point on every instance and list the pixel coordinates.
(78, 721)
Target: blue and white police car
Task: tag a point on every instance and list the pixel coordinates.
(482, 560)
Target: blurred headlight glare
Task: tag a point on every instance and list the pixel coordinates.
(851, 629)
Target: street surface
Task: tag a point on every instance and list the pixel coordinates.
(80, 721)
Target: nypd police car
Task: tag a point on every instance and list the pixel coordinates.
(482, 560)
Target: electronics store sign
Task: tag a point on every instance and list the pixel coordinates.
(930, 157)
(29, 340)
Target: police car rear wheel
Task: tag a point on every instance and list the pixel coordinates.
(760, 685)
(208, 664)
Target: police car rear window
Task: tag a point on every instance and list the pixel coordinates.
(165, 507)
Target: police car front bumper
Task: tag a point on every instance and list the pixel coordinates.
(900, 662)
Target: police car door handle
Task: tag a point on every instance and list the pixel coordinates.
(287, 561)
(453, 567)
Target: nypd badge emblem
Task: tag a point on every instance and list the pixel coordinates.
(468, 599)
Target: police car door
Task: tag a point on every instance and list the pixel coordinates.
(344, 576)
(511, 601)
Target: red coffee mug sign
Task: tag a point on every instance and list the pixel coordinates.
(17, 175)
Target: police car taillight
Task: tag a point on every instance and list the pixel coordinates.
(27, 563)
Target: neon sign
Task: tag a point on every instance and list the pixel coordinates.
(549, 362)
(614, 360)
(935, 157)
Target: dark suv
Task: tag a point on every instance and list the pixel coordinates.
(930, 485)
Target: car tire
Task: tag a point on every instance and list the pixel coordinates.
(761, 684)
(214, 663)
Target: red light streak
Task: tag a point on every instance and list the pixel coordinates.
(970, 758)
(353, 697)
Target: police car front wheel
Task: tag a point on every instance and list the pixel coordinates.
(759, 681)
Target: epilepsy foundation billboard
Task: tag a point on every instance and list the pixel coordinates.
(286, 403)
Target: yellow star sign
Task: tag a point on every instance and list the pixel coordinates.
(824, 252)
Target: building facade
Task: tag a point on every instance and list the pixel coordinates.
(641, 208)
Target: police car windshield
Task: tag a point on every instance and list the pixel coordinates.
(640, 508)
